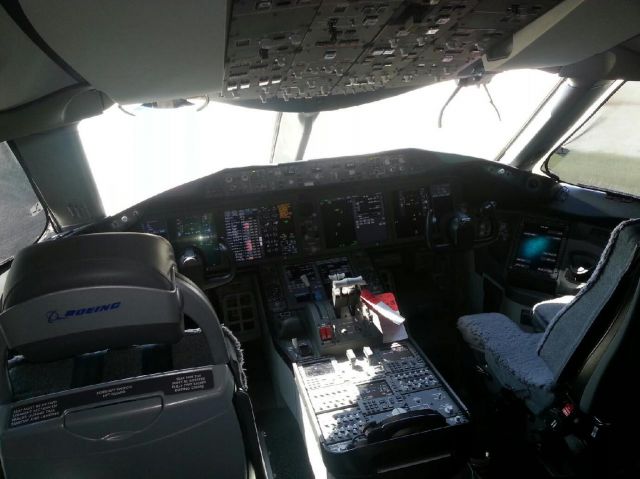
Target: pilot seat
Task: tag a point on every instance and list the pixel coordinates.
(574, 376)
(100, 378)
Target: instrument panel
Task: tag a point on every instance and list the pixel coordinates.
(335, 206)
(188, 231)
(291, 228)
(301, 51)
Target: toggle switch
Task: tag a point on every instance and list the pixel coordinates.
(351, 356)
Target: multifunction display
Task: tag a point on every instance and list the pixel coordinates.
(411, 213)
(539, 248)
(353, 220)
(264, 232)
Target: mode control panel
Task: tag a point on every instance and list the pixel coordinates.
(347, 395)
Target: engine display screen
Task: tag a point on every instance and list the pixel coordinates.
(411, 213)
(539, 248)
(264, 232)
(354, 220)
(197, 231)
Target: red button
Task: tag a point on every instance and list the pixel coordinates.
(325, 332)
(567, 410)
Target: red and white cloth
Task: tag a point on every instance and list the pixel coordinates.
(386, 315)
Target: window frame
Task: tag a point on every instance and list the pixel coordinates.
(544, 164)
(48, 224)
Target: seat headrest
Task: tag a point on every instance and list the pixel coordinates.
(103, 259)
(91, 292)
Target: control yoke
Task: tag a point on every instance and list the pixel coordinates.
(193, 265)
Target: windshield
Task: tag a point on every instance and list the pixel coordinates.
(470, 124)
(135, 157)
(605, 151)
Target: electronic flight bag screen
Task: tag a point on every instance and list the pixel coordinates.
(538, 250)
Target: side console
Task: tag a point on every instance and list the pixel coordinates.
(381, 410)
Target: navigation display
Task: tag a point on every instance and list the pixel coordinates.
(411, 213)
(264, 232)
(338, 223)
(539, 248)
(353, 220)
(198, 231)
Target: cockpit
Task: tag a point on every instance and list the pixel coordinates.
(319, 239)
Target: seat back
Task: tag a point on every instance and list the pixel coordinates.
(568, 330)
(599, 378)
(124, 291)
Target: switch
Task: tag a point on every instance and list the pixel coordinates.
(368, 354)
(325, 332)
(351, 356)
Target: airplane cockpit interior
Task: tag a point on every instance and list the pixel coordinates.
(330, 239)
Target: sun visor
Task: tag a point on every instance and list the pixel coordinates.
(139, 51)
(569, 33)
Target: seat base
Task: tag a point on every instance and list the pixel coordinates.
(510, 356)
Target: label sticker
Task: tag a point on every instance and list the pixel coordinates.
(174, 383)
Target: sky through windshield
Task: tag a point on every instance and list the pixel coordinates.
(135, 157)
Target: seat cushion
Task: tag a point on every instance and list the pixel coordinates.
(511, 356)
(545, 311)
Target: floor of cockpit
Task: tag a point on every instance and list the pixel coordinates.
(285, 444)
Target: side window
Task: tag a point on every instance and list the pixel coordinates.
(605, 151)
(22, 219)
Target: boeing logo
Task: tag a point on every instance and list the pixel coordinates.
(53, 315)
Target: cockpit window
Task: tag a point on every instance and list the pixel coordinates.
(22, 218)
(479, 121)
(605, 151)
(134, 157)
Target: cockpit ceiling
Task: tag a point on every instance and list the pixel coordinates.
(296, 51)
(287, 55)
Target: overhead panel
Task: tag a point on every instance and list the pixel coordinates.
(574, 31)
(137, 51)
(281, 50)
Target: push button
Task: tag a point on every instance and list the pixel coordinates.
(326, 333)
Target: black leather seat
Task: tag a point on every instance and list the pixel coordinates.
(88, 297)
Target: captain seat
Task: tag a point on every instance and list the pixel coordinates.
(107, 293)
(592, 324)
